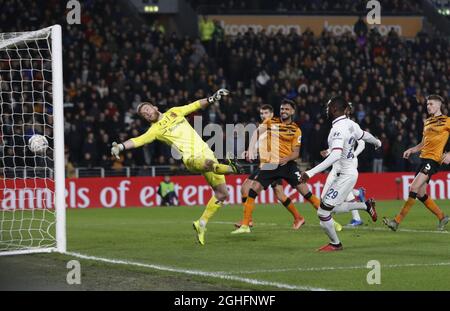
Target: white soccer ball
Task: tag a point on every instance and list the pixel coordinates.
(38, 143)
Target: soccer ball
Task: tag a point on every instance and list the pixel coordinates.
(38, 143)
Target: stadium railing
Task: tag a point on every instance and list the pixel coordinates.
(153, 170)
(213, 9)
(126, 171)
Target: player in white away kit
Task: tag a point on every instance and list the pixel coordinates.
(341, 140)
(355, 193)
(333, 174)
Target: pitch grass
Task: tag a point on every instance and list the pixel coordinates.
(415, 258)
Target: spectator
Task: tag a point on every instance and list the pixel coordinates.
(378, 161)
(386, 77)
(206, 29)
(398, 148)
(360, 27)
(166, 190)
(218, 38)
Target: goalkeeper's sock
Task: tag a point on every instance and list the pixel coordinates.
(291, 208)
(211, 208)
(311, 198)
(244, 199)
(406, 207)
(222, 169)
(432, 206)
(249, 205)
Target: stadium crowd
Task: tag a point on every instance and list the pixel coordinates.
(109, 70)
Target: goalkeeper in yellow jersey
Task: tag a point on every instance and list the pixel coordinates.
(173, 129)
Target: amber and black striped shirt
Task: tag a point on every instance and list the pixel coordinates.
(279, 141)
(435, 135)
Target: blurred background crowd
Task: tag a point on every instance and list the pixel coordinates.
(111, 65)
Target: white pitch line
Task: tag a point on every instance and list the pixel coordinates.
(232, 223)
(197, 273)
(400, 230)
(309, 269)
(271, 224)
(345, 227)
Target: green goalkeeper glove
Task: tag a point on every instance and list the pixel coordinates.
(218, 95)
(116, 149)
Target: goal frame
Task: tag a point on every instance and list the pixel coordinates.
(58, 134)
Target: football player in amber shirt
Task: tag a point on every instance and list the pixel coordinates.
(435, 135)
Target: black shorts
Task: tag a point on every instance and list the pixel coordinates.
(275, 175)
(428, 167)
(278, 182)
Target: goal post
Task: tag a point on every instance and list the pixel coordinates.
(32, 185)
(58, 121)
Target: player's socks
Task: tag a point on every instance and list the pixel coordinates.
(249, 205)
(432, 206)
(406, 207)
(311, 198)
(349, 206)
(327, 224)
(222, 169)
(355, 215)
(211, 208)
(244, 199)
(291, 208)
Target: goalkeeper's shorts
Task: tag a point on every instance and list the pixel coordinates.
(196, 164)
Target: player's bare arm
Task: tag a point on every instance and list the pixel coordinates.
(252, 151)
(325, 153)
(446, 158)
(413, 150)
(293, 156)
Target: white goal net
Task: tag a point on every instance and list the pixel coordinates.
(32, 206)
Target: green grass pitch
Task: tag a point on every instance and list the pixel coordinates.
(273, 256)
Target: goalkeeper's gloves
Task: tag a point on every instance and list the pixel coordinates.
(116, 149)
(218, 96)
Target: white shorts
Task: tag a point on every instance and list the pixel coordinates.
(338, 188)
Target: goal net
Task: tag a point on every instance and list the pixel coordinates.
(32, 205)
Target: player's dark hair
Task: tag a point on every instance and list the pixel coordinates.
(266, 107)
(286, 101)
(339, 102)
(436, 97)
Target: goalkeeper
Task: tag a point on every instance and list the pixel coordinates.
(173, 129)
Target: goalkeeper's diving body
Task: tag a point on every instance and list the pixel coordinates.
(173, 129)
